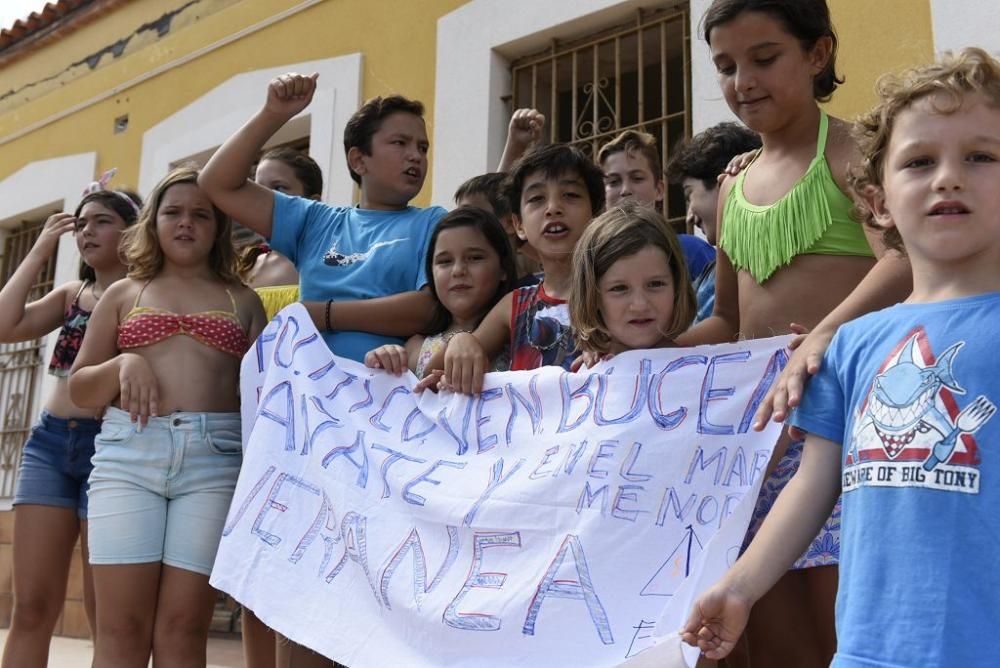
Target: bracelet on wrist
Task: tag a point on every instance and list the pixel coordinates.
(329, 325)
(448, 337)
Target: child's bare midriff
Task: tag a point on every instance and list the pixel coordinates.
(803, 292)
(192, 377)
(60, 405)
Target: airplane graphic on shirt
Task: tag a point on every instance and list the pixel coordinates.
(335, 258)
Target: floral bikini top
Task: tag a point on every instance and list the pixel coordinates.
(146, 325)
(70, 337)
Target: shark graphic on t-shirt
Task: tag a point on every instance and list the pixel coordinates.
(910, 430)
(335, 258)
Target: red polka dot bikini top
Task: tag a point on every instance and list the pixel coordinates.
(146, 325)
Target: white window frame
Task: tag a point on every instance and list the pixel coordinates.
(206, 123)
(475, 46)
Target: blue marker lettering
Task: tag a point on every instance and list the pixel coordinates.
(579, 589)
(709, 393)
(345, 451)
(478, 621)
(418, 500)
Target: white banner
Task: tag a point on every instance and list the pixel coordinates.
(548, 521)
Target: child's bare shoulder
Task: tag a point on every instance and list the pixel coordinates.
(69, 290)
(726, 187)
(841, 150)
(121, 295)
(246, 297)
(123, 289)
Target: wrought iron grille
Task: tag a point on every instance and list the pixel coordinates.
(632, 76)
(20, 363)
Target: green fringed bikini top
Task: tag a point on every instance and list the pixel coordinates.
(814, 217)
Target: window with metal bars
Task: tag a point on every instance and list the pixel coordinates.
(631, 76)
(20, 363)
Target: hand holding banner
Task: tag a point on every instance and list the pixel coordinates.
(548, 521)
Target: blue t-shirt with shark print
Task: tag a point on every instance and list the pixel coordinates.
(911, 392)
(348, 253)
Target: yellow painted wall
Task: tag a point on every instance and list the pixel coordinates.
(40, 71)
(397, 38)
(876, 36)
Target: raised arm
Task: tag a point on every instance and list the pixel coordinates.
(403, 314)
(23, 322)
(524, 131)
(225, 177)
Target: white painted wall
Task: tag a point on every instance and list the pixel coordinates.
(708, 106)
(476, 44)
(960, 23)
(204, 124)
(40, 189)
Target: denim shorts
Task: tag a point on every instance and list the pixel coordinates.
(162, 493)
(55, 463)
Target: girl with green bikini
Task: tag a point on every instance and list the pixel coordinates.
(789, 252)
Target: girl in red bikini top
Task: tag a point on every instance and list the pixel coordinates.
(148, 325)
(170, 337)
(164, 347)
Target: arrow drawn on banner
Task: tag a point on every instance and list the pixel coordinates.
(677, 566)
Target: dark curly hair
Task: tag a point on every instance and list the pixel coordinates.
(706, 155)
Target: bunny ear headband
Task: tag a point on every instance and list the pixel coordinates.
(101, 185)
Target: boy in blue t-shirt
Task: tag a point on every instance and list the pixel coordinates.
(361, 270)
(902, 414)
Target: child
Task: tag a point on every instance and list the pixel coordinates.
(50, 503)
(905, 400)
(268, 272)
(361, 278)
(555, 191)
(631, 164)
(695, 166)
(471, 266)
(630, 287)
(163, 352)
(486, 192)
(276, 282)
(775, 59)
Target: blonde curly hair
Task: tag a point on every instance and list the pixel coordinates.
(140, 245)
(950, 80)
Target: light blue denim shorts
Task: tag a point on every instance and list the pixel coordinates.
(162, 493)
